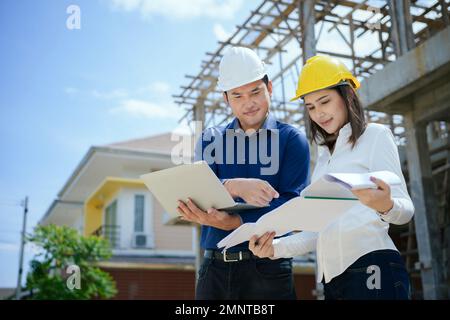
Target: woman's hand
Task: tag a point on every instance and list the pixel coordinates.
(378, 199)
(262, 246)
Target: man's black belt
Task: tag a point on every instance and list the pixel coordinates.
(229, 256)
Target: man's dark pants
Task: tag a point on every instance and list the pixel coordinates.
(252, 278)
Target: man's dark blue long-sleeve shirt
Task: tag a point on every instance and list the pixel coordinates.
(278, 153)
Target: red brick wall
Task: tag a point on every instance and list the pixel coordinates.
(140, 284)
(304, 285)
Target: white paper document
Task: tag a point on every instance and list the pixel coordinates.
(339, 185)
(297, 214)
(319, 204)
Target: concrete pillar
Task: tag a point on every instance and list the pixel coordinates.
(308, 39)
(308, 46)
(401, 25)
(426, 215)
(307, 23)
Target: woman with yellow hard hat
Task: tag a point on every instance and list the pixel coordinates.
(356, 258)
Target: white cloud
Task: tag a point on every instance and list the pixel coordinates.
(187, 128)
(220, 32)
(140, 108)
(176, 9)
(135, 102)
(158, 87)
(71, 90)
(114, 94)
(15, 247)
(127, 5)
(7, 246)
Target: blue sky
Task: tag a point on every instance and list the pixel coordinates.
(63, 90)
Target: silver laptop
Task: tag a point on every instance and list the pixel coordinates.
(196, 181)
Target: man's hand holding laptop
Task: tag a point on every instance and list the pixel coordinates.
(253, 191)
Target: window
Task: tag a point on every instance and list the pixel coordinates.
(110, 228)
(139, 213)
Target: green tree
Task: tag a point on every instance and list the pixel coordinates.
(59, 248)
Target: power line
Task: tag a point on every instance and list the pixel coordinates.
(12, 204)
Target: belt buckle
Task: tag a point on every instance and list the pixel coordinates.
(231, 260)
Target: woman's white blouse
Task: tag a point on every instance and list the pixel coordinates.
(361, 229)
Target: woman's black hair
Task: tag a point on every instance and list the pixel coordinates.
(356, 117)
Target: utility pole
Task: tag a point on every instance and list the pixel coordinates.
(22, 245)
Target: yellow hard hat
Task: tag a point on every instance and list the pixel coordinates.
(321, 72)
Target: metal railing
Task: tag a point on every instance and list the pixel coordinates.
(110, 233)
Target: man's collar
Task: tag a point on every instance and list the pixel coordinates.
(270, 123)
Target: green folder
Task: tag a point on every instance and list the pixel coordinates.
(331, 198)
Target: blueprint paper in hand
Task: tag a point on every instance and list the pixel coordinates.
(296, 214)
(339, 185)
(319, 204)
(356, 181)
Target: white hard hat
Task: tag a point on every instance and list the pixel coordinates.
(238, 67)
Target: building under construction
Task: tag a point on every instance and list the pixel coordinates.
(400, 51)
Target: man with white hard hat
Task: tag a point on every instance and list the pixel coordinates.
(269, 167)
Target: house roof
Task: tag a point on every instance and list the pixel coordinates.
(6, 292)
(157, 147)
(162, 143)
